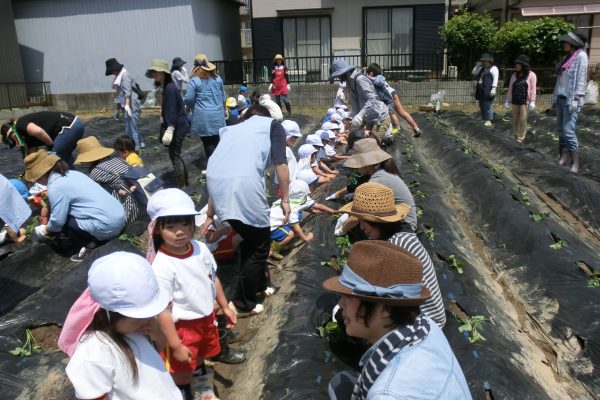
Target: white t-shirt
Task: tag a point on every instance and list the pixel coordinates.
(277, 217)
(98, 367)
(292, 164)
(329, 151)
(189, 280)
(339, 97)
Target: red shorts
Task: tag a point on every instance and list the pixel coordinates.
(201, 336)
(225, 251)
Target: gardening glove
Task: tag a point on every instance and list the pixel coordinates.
(574, 106)
(288, 88)
(531, 106)
(417, 132)
(168, 136)
(332, 197)
(493, 92)
(270, 87)
(506, 104)
(128, 110)
(40, 232)
(339, 232)
(357, 121)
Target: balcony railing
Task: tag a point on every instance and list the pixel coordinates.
(24, 94)
(246, 37)
(244, 10)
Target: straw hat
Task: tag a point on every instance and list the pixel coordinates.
(278, 57)
(38, 164)
(366, 152)
(158, 65)
(201, 61)
(381, 272)
(375, 202)
(89, 149)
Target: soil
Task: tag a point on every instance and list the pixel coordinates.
(47, 336)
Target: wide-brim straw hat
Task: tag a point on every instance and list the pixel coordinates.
(38, 164)
(201, 61)
(376, 203)
(382, 265)
(89, 150)
(278, 57)
(158, 65)
(366, 152)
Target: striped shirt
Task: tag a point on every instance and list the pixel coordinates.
(434, 306)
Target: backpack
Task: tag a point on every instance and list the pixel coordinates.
(143, 182)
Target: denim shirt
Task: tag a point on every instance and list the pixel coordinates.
(427, 370)
(577, 78)
(207, 98)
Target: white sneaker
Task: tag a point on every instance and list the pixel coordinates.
(259, 308)
(487, 123)
(203, 172)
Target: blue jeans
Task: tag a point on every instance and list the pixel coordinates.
(131, 127)
(485, 106)
(66, 142)
(565, 124)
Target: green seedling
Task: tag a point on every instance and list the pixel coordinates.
(594, 281)
(560, 244)
(135, 241)
(472, 325)
(202, 180)
(497, 170)
(414, 184)
(468, 150)
(537, 217)
(30, 227)
(156, 149)
(30, 347)
(420, 194)
(268, 175)
(196, 198)
(455, 264)
(416, 168)
(330, 331)
(420, 212)
(524, 196)
(430, 234)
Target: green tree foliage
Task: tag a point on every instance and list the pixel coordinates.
(538, 38)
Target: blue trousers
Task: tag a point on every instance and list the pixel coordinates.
(131, 127)
(485, 106)
(66, 142)
(565, 124)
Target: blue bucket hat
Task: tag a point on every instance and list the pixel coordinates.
(243, 89)
(339, 67)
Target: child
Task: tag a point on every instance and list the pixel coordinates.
(328, 114)
(233, 115)
(112, 336)
(222, 241)
(39, 198)
(307, 155)
(319, 165)
(125, 147)
(292, 133)
(328, 137)
(340, 97)
(14, 212)
(242, 100)
(282, 234)
(187, 271)
(313, 181)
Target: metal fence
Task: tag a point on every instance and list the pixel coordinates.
(24, 94)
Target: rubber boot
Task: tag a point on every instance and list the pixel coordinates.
(288, 107)
(274, 253)
(227, 354)
(564, 154)
(575, 158)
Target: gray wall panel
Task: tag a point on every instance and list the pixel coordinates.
(11, 69)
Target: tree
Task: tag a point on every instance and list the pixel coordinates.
(466, 36)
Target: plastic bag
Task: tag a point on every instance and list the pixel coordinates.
(591, 93)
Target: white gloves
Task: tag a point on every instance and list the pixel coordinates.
(270, 87)
(40, 231)
(168, 136)
(574, 106)
(531, 106)
(417, 132)
(340, 224)
(493, 92)
(128, 109)
(506, 104)
(357, 121)
(288, 87)
(332, 197)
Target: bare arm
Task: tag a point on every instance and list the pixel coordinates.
(39, 133)
(283, 177)
(402, 112)
(223, 303)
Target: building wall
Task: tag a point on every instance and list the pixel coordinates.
(11, 68)
(67, 41)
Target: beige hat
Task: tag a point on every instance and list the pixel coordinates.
(375, 202)
(278, 57)
(201, 61)
(38, 164)
(158, 65)
(366, 152)
(89, 149)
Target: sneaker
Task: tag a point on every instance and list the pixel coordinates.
(82, 255)
(143, 146)
(259, 308)
(203, 172)
(269, 291)
(487, 123)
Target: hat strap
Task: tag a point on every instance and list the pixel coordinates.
(21, 143)
(351, 280)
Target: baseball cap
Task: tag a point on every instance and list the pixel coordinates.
(306, 150)
(170, 202)
(315, 140)
(308, 176)
(243, 89)
(291, 128)
(124, 282)
(327, 126)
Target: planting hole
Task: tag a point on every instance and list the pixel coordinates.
(47, 336)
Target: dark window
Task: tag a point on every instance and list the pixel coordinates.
(307, 47)
(389, 31)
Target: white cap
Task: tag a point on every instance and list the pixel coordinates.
(335, 117)
(291, 128)
(330, 111)
(342, 107)
(299, 189)
(327, 135)
(315, 140)
(346, 115)
(328, 126)
(125, 283)
(170, 202)
(306, 150)
(308, 176)
(342, 84)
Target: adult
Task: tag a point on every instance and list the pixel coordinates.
(107, 169)
(179, 74)
(206, 96)
(280, 83)
(569, 94)
(14, 210)
(57, 131)
(174, 126)
(382, 219)
(486, 74)
(409, 358)
(367, 109)
(81, 209)
(128, 93)
(236, 189)
(521, 96)
(372, 162)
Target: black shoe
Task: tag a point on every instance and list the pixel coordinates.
(231, 337)
(231, 356)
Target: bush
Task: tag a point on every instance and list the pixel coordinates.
(536, 38)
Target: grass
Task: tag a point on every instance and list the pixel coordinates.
(472, 325)
(594, 281)
(135, 241)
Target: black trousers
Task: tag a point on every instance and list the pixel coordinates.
(254, 251)
(210, 144)
(181, 175)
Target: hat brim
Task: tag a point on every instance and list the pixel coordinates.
(149, 310)
(570, 40)
(333, 285)
(93, 155)
(40, 168)
(365, 159)
(110, 70)
(178, 212)
(341, 71)
(402, 211)
(150, 70)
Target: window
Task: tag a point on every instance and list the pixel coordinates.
(307, 46)
(389, 36)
